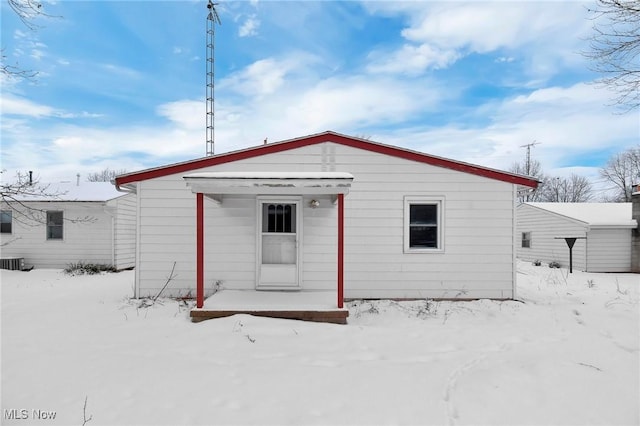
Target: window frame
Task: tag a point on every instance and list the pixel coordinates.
(10, 213)
(523, 239)
(439, 202)
(61, 225)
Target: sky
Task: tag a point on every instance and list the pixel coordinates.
(122, 84)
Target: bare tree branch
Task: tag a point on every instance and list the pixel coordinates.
(615, 49)
(106, 175)
(622, 171)
(28, 11)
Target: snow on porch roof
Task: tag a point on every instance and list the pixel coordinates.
(269, 182)
(328, 136)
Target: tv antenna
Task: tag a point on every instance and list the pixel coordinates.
(212, 19)
(528, 163)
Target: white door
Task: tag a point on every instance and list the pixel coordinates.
(278, 243)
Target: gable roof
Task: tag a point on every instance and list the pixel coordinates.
(68, 191)
(593, 214)
(318, 138)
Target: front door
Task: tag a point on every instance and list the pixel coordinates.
(278, 243)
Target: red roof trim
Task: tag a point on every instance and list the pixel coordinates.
(320, 138)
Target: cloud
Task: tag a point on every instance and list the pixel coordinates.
(16, 106)
(249, 27)
(264, 76)
(440, 33)
(12, 105)
(187, 114)
(412, 59)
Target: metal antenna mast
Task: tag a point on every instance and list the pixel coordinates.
(528, 146)
(212, 19)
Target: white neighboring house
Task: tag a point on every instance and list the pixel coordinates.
(326, 212)
(603, 230)
(87, 222)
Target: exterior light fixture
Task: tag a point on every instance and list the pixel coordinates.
(314, 204)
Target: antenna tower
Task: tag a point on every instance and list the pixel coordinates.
(528, 146)
(212, 19)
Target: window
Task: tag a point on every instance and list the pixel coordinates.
(526, 239)
(424, 225)
(6, 218)
(54, 225)
(279, 218)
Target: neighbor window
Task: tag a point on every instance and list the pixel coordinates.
(526, 239)
(6, 218)
(424, 226)
(54, 225)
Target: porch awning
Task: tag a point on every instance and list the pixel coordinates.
(216, 184)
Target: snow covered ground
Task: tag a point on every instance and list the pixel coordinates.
(567, 353)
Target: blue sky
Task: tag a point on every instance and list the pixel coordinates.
(121, 84)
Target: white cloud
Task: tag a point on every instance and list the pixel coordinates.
(412, 59)
(440, 33)
(261, 77)
(187, 114)
(19, 106)
(249, 27)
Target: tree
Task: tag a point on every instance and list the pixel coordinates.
(16, 197)
(531, 168)
(106, 175)
(27, 11)
(15, 193)
(615, 49)
(574, 189)
(623, 171)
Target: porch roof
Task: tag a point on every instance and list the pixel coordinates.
(283, 183)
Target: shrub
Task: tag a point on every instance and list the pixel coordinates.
(554, 264)
(81, 268)
(537, 262)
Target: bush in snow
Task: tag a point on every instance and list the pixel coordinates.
(554, 264)
(82, 268)
(537, 262)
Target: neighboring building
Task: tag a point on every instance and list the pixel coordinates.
(603, 231)
(326, 212)
(87, 222)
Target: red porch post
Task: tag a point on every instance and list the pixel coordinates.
(199, 250)
(340, 250)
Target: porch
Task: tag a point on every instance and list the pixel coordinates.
(316, 306)
(280, 291)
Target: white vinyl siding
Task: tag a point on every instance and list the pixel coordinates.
(478, 230)
(544, 227)
(86, 229)
(609, 250)
(124, 231)
(605, 249)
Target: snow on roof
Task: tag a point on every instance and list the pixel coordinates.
(70, 191)
(595, 214)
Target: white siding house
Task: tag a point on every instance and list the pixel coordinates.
(87, 222)
(326, 212)
(603, 232)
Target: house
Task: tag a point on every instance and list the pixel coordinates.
(67, 223)
(603, 233)
(326, 213)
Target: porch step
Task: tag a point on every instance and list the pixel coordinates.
(335, 317)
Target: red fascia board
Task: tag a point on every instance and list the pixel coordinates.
(320, 138)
